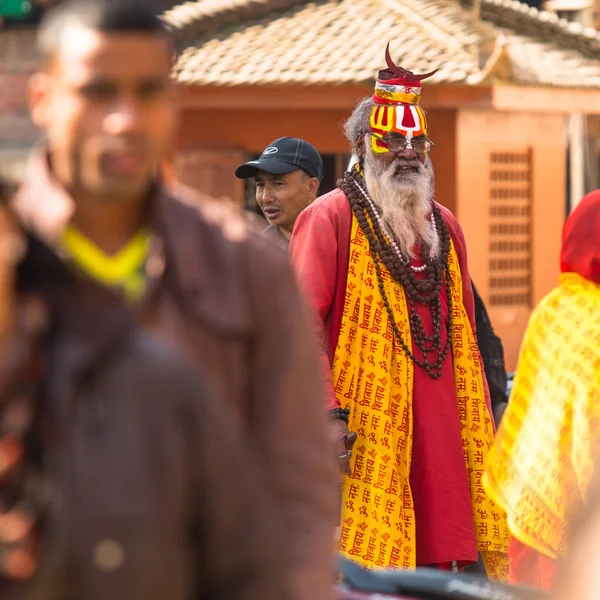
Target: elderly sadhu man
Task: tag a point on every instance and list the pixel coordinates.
(540, 467)
(386, 269)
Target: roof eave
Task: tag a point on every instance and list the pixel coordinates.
(546, 99)
(502, 97)
(297, 96)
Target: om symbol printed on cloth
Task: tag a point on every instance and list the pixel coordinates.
(374, 378)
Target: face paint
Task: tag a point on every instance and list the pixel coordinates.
(405, 119)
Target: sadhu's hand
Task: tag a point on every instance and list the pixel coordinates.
(342, 441)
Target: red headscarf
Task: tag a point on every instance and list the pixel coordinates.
(581, 239)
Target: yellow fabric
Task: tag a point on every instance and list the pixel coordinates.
(123, 270)
(540, 466)
(374, 378)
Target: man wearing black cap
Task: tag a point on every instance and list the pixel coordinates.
(287, 176)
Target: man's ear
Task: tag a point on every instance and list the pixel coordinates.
(38, 92)
(313, 188)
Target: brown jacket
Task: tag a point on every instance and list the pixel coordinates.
(229, 301)
(154, 497)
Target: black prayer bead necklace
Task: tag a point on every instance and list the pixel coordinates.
(418, 291)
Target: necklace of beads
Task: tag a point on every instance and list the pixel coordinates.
(390, 236)
(384, 249)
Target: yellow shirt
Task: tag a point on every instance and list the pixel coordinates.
(123, 271)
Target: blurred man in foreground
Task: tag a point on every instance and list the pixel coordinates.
(287, 177)
(191, 274)
(113, 455)
(540, 466)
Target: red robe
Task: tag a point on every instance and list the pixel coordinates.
(443, 511)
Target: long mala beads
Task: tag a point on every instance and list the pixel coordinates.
(384, 250)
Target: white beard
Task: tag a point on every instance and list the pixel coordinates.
(404, 201)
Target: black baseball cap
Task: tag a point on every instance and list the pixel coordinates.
(285, 155)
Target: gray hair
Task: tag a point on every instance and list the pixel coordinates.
(357, 123)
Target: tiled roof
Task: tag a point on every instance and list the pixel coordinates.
(258, 42)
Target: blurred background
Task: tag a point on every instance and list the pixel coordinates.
(514, 109)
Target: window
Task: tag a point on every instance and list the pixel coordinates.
(510, 228)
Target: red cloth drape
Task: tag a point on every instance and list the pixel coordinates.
(529, 567)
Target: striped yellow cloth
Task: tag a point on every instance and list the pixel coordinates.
(374, 378)
(540, 466)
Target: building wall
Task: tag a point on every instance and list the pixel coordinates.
(442, 128)
(17, 134)
(226, 137)
(592, 153)
(229, 137)
(510, 161)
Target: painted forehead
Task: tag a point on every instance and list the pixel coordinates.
(405, 119)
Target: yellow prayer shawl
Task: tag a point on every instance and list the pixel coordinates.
(374, 378)
(540, 466)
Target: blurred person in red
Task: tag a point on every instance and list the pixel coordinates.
(540, 467)
(187, 268)
(386, 269)
(113, 454)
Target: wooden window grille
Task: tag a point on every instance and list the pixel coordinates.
(510, 228)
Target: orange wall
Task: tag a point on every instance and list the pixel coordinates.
(234, 132)
(441, 126)
(479, 132)
(252, 130)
